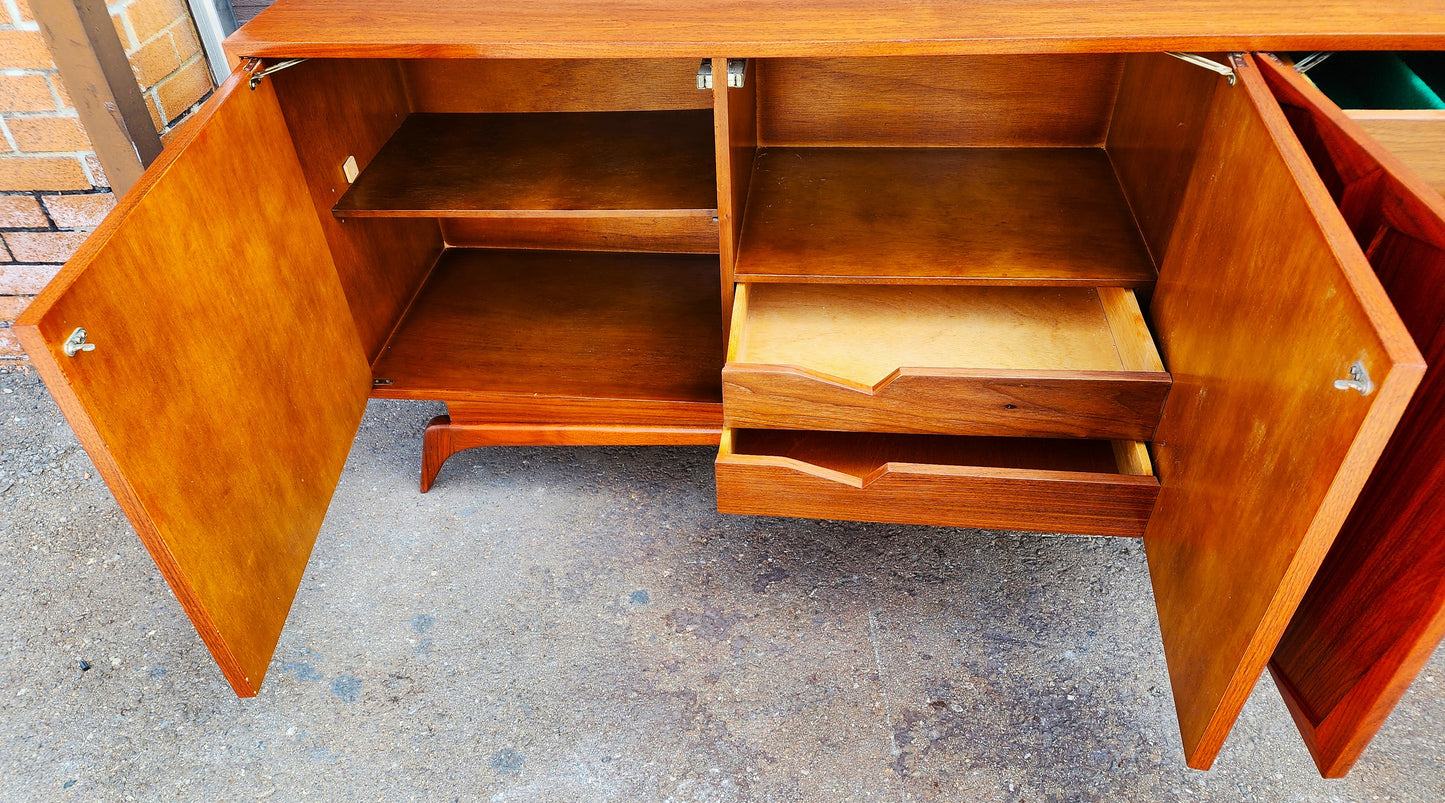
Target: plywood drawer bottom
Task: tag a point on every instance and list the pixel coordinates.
(1043, 485)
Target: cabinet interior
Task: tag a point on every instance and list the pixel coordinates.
(599, 212)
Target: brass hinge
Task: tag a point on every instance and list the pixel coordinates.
(258, 75)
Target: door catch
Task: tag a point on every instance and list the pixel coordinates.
(1359, 380)
(76, 343)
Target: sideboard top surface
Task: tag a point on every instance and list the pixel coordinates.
(796, 28)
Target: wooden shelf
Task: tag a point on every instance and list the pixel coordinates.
(643, 164)
(571, 327)
(1019, 216)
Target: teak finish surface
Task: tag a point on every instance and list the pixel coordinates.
(1259, 456)
(756, 28)
(1416, 138)
(515, 324)
(220, 437)
(696, 234)
(336, 109)
(1376, 610)
(940, 215)
(1021, 361)
(552, 85)
(975, 101)
(1003, 483)
(556, 164)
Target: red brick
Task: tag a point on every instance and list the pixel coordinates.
(10, 346)
(126, 40)
(79, 211)
(155, 61)
(48, 134)
(12, 306)
(26, 15)
(41, 173)
(155, 110)
(93, 162)
(25, 93)
(25, 280)
(187, 44)
(24, 50)
(5, 253)
(21, 212)
(150, 17)
(180, 92)
(43, 246)
(61, 91)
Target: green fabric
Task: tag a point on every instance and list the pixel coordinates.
(1376, 81)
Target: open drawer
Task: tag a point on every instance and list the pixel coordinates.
(1040, 484)
(957, 360)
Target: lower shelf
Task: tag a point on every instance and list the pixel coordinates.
(1038, 484)
(600, 333)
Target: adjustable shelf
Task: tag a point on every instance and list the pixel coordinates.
(525, 327)
(940, 215)
(636, 164)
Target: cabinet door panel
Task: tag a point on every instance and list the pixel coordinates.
(227, 380)
(1376, 611)
(1264, 302)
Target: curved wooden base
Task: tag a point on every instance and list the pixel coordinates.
(443, 438)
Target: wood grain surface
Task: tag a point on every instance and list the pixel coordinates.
(1014, 361)
(979, 101)
(696, 234)
(493, 324)
(940, 215)
(348, 108)
(444, 438)
(1259, 455)
(562, 164)
(1417, 138)
(219, 426)
(1158, 122)
(1376, 610)
(553, 85)
(735, 118)
(754, 28)
(1034, 484)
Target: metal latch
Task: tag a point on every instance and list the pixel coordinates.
(76, 343)
(1359, 380)
(737, 73)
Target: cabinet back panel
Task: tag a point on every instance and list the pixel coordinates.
(554, 85)
(337, 108)
(966, 100)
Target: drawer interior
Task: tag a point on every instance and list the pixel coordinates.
(863, 334)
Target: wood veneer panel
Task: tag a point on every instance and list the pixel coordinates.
(736, 121)
(574, 325)
(1376, 610)
(669, 235)
(1159, 119)
(1038, 100)
(1013, 361)
(1001, 483)
(1417, 138)
(1259, 455)
(754, 28)
(553, 85)
(227, 381)
(561, 164)
(940, 215)
(342, 108)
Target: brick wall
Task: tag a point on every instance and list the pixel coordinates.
(52, 188)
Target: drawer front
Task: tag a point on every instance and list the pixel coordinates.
(982, 361)
(1088, 487)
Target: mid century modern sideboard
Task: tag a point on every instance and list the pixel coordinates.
(1004, 264)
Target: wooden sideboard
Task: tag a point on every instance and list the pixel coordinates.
(994, 264)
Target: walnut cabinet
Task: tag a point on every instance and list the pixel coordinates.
(1029, 275)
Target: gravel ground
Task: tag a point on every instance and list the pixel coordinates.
(580, 624)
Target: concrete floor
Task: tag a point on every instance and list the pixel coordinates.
(579, 624)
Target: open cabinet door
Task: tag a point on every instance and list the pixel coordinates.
(1263, 307)
(224, 380)
(1376, 611)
